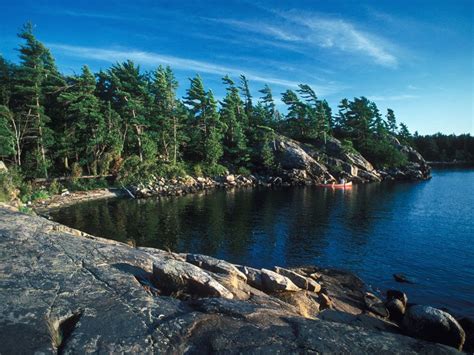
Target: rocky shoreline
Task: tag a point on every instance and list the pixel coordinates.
(300, 165)
(66, 291)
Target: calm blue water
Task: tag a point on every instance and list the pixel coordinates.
(424, 230)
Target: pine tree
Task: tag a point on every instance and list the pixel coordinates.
(235, 119)
(404, 134)
(360, 119)
(391, 121)
(245, 90)
(7, 138)
(127, 90)
(213, 143)
(6, 81)
(318, 113)
(29, 93)
(272, 116)
(86, 130)
(342, 117)
(206, 128)
(296, 115)
(169, 114)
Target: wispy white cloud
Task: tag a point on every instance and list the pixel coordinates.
(399, 97)
(345, 36)
(259, 27)
(318, 30)
(180, 63)
(83, 14)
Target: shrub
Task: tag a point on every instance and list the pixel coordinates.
(7, 187)
(104, 163)
(12, 185)
(87, 184)
(55, 187)
(40, 194)
(197, 170)
(347, 146)
(382, 154)
(171, 170)
(134, 171)
(243, 171)
(216, 170)
(76, 171)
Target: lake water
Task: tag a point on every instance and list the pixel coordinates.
(424, 230)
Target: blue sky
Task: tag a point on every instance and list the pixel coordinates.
(413, 56)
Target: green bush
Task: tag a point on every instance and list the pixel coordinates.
(347, 146)
(168, 170)
(55, 187)
(105, 163)
(216, 170)
(243, 171)
(382, 154)
(12, 185)
(25, 209)
(76, 171)
(134, 171)
(7, 187)
(197, 170)
(87, 184)
(40, 194)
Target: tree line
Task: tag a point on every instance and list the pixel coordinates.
(129, 122)
(445, 148)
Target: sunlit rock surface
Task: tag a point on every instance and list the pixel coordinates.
(65, 291)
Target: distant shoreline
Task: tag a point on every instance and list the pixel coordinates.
(451, 163)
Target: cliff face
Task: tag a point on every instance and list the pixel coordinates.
(416, 169)
(329, 160)
(66, 292)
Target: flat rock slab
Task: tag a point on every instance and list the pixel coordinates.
(301, 281)
(99, 294)
(274, 282)
(254, 276)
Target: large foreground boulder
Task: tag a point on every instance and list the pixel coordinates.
(467, 325)
(433, 324)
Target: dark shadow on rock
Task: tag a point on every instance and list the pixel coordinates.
(143, 277)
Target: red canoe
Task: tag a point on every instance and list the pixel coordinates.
(347, 185)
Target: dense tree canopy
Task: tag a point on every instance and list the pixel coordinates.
(124, 117)
(445, 148)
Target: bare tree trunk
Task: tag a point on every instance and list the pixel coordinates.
(124, 137)
(165, 146)
(17, 141)
(40, 136)
(175, 140)
(138, 129)
(139, 141)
